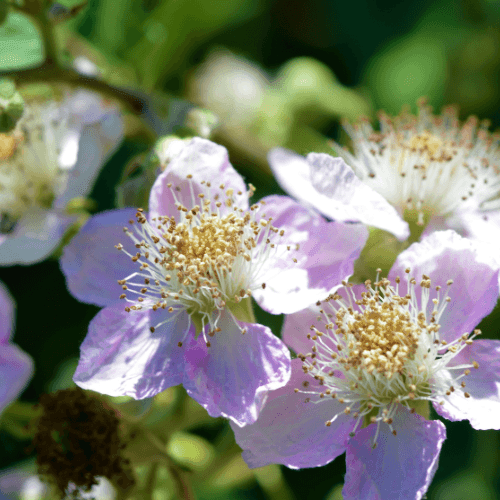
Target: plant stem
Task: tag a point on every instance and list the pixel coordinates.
(52, 73)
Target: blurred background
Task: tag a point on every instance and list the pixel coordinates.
(282, 72)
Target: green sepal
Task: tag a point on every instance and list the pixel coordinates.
(422, 407)
(368, 416)
(242, 310)
(197, 319)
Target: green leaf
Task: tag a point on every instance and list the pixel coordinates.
(20, 43)
(4, 10)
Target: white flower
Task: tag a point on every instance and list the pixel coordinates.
(418, 173)
(428, 165)
(54, 155)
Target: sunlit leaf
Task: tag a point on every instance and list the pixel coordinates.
(20, 43)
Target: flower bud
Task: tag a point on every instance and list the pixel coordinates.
(11, 105)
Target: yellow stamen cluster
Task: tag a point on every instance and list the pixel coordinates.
(211, 245)
(383, 337)
(380, 348)
(202, 259)
(431, 146)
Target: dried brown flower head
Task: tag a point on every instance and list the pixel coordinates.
(78, 440)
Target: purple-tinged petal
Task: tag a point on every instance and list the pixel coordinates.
(233, 375)
(6, 314)
(445, 255)
(400, 466)
(205, 161)
(34, 238)
(326, 255)
(482, 409)
(292, 432)
(91, 263)
(120, 356)
(298, 325)
(331, 187)
(88, 108)
(16, 368)
(438, 223)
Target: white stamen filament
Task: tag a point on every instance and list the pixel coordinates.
(428, 165)
(383, 349)
(204, 260)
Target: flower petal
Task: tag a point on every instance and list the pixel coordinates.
(445, 255)
(297, 326)
(34, 238)
(233, 375)
(91, 263)
(326, 255)
(120, 356)
(16, 368)
(292, 432)
(96, 144)
(6, 314)
(205, 161)
(481, 227)
(483, 384)
(331, 187)
(401, 466)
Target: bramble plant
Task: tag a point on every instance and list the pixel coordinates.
(247, 336)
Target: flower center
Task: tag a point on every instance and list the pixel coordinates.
(383, 349)
(203, 262)
(30, 176)
(383, 337)
(211, 245)
(430, 145)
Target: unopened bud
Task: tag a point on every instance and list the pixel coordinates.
(11, 105)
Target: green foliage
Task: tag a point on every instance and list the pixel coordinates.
(4, 10)
(406, 70)
(20, 43)
(11, 105)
